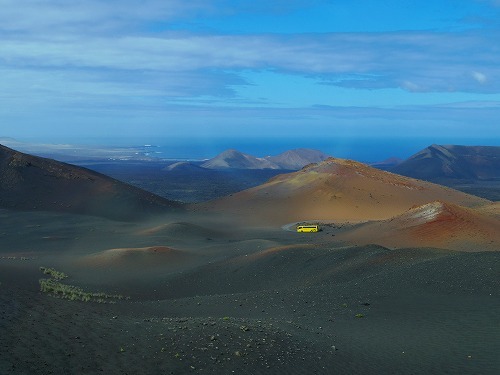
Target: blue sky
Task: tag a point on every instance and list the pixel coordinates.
(169, 68)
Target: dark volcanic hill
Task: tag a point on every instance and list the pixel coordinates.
(238, 160)
(184, 167)
(288, 160)
(452, 162)
(33, 183)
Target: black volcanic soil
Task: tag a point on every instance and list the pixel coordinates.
(205, 292)
(249, 301)
(33, 183)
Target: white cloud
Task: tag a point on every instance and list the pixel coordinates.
(432, 62)
(87, 16)
(410, 86)
(479, 77)
(117, 36)
(106, 54)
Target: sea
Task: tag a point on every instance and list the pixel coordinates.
(361, 149)
(364, 149)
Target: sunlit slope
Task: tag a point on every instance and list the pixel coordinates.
(492, 209)
(336, 190)
(33, 183)
(435, 224)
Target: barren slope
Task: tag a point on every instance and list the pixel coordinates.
(336, 190)
(238, 160)
(435, 224)
(298, 158)
(33, 183)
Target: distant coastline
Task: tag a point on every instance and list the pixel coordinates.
(368, 150)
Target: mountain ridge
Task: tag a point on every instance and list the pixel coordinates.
(238, 160)
(288, 160)
(452, 162)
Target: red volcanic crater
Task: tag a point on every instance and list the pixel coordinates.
(436, 224)
(336, 190)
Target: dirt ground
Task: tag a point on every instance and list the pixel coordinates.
(209, 296)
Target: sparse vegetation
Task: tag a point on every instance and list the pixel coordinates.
(55, 288)
(359, 316)
(53, 273)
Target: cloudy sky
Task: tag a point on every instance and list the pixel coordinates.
(199, 68)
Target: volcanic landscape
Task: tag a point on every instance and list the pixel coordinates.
(101, 277)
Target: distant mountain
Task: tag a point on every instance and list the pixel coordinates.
(183, 166)
(336, 190)
(387, 164)
(5, 140)
(33, 183)
(238, 160)
(298, 158)
(289, 160)
(436, 162)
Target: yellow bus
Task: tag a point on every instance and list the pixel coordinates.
(307, 228)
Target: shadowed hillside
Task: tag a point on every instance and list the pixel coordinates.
(452, 162)
(33, 183)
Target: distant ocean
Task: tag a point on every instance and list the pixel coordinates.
(361, 149)
(357, 148)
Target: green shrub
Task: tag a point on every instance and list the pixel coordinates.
(53, 273)
(56, 288)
